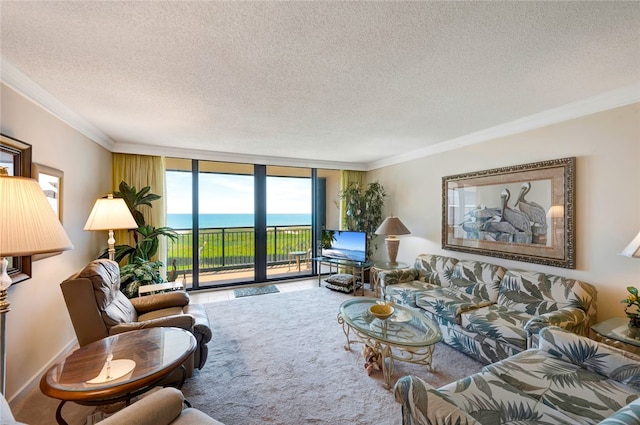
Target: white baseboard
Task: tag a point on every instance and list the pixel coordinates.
(34, 381)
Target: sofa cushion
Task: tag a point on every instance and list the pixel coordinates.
(615, 363)
(435, 269)
(490, 400)
(586, 396)
(448, 303)
(539, 293)
(405, 293)
(477, 278)
(498, 322)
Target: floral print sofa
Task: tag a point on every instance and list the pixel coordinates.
(487, 311)
(569, 379)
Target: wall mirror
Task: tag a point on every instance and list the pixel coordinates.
(15, 157)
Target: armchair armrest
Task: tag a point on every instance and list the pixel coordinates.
(393, 277)
(628, 415)
(614, 363)
(183, 321)
(158, 301)
(159, 408)
(567, 318)
(422, 404)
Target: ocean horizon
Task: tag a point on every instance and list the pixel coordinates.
(208, 221)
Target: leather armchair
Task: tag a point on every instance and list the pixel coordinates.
(99, 309)
(163, 407)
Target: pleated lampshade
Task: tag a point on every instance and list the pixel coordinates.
(28, 224)
(633, 249)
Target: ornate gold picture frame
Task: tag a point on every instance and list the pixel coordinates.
(523, 212)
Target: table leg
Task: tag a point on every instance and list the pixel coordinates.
(387, 370)
(345, 329)
(59, 417)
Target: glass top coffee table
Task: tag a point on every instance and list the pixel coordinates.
(405, 336)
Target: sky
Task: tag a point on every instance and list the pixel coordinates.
(233, 194)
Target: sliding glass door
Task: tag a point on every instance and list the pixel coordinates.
(254, 223)
(289, 221)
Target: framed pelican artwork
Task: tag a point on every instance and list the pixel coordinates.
(522, 212)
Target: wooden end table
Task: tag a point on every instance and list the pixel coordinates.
(157, 352)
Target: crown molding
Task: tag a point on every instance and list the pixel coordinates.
(602, 102)
(22, 84)
(14, 78)
(165, 151)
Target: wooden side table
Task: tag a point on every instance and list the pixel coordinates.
(614, 332)
(383, 266)
(156, 352)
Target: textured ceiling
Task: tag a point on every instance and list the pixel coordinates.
(329, 81)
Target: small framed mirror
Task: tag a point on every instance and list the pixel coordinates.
(15, 159)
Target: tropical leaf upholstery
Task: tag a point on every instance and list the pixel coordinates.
(428, 272)
(499, 323)
(487, 311)
(539, 294)
(406, 293)
(629, 414)
(570, 379)
(448, 302)
(478, 278)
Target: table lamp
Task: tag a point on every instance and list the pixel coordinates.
(28, 225)
(391, 227)
(633, 249)
(110, 214)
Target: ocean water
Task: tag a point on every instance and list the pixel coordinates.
(207, 221)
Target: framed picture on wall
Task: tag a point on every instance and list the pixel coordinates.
(15, 160)
(522, 212)
(51, 182)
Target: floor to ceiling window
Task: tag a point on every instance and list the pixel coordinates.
(253, 224)
(289, 220)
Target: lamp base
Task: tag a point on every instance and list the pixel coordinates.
(392, 243)
(4, 309)
(5, 279)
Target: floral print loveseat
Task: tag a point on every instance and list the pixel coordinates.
(569, 379)
(487, 311)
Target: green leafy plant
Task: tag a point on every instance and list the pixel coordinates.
(632, 302)
(146, 237)
(364, 209)
(137, 273)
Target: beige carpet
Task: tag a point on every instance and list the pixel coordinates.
(280, 359)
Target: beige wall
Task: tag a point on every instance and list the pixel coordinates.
(38, 326)
(607, 147)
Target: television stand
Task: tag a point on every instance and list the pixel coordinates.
(356, 268)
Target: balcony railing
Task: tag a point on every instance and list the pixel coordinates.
(229, 248)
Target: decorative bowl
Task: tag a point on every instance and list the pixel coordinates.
(381, 311)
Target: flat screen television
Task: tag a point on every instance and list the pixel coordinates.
(344, 245)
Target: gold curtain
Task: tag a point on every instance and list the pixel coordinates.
(346, 177)
(141, 171)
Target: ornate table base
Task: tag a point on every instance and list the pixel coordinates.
(417, 355)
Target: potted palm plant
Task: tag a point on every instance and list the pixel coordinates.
(364, 206)
(140, 267)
